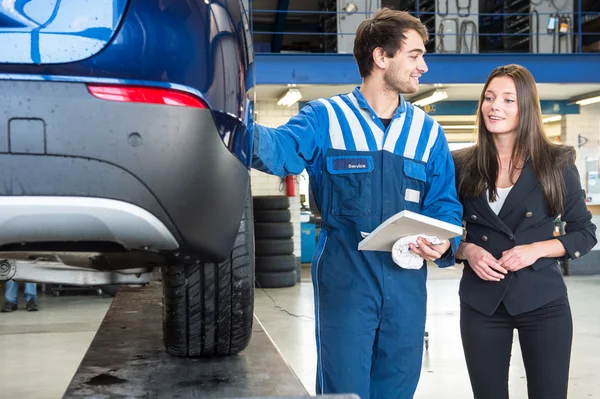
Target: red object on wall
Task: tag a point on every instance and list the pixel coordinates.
(290, 186)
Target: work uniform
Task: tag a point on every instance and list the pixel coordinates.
(369, 312)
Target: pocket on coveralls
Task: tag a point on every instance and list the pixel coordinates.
(350, 185)
(414, 185)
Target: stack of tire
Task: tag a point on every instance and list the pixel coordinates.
(275, 265)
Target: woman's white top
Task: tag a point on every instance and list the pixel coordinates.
(500, 198)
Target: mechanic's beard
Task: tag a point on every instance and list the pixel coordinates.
(398, 84)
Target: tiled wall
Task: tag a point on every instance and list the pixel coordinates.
(268, 113)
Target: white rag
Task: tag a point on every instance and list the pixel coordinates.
(404, 257)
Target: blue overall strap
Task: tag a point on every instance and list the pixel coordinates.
(289, 148)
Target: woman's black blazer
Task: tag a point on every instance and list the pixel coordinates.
(524, 219)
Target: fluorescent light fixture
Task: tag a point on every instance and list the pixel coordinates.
(458, 127)
(429, 97)
(586, 99)
(550, 119)
(350, 8)
(291, 97)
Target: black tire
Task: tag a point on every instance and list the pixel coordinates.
(274, 230)
(110, 289)
(272, 215)
(275, 279)
(277, 263)
(209, 307)
(274, 247)
(271, 202)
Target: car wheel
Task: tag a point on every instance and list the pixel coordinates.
(110, 289)
(208, 307)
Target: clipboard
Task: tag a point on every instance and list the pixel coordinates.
(403, 224)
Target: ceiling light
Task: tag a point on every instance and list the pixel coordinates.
(291, 97)
(350, 8)
(586, 99)
(429, 97)
(457, 127)
(550, 119)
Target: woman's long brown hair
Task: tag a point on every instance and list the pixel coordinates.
(477, 166)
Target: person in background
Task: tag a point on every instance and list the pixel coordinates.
(11, 292)
(513, 183)
(370, 155)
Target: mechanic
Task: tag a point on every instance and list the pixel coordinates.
(11, 292)
(369, 155)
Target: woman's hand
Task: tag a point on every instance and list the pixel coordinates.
(520, 256)
(482, 262)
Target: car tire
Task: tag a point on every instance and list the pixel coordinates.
(274, 247)
(272, 215)
(274, 230)
(110, 289)
(208, 307)
(271, 202)
(277, 263)
(276, 279)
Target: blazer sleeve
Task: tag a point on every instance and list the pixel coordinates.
(580, 232)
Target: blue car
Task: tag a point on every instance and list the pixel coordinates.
(125, 148)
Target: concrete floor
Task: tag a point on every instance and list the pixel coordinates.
(40, 351)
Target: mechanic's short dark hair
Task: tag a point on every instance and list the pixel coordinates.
(386, 29)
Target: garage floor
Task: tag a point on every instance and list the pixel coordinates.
(39, 352)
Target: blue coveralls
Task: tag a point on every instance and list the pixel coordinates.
(369, 312)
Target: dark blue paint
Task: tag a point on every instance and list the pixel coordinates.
(204, 49)
(350, 164)
(443, 68)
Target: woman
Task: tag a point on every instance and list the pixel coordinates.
(513, 184)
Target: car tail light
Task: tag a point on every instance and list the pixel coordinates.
(149, 95)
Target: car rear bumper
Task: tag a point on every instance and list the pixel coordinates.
(56, 140)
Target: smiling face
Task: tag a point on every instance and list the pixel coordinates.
(499, 107)
(406, 67)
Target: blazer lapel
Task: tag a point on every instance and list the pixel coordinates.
(526, 182)
(483, 207)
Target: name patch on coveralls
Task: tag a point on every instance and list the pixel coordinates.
(343, 164)
(412, 195)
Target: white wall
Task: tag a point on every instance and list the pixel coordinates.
(587, 125)
(268, 113)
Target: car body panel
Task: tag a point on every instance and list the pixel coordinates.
(187, 166)
(188, 45)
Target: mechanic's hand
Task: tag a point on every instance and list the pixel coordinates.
(483, 263)
(427, 250)
(519, 257)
